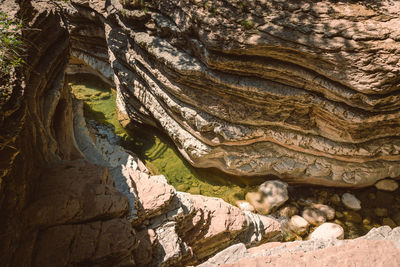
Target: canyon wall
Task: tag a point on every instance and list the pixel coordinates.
(71, 197)
(303, 90)
(306, 91)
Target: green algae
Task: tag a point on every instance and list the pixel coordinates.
(155, 149)
(162, 157)
(99, 101)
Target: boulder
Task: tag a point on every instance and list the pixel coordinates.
(328, 231)
(351, 202)
(270, 196)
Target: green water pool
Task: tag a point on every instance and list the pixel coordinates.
(155, 149)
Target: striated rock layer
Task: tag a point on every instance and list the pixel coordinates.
(307, 91)
(69, 195)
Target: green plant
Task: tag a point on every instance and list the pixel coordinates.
(11, 45)
(247, 24)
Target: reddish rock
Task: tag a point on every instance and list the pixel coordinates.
(361, 253)
(214, 223)
(154, 193)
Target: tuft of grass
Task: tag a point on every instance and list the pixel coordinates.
(247, 24)
(11, 44)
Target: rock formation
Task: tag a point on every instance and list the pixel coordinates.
(70, 195)
(252, 88)
(307, 91)
(380, 245)
(173, 227)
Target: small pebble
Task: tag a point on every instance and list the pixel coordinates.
(328, 211)
(339, 214)
(351, 202)
(381, 212)
(298, 225)
(366, 221)
(352, 216)
(288, 211)
(335, 199)
(387, 185)
(313, 216)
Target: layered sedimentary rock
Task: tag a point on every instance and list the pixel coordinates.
(56, 208)
(307, 91)
(69, 195)
(252, 88)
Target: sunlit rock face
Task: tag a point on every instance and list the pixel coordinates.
(307, 91)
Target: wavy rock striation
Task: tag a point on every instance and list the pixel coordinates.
(69, 195)
(307, 91)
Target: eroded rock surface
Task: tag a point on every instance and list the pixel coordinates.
(262, 91)
(380, 245)
(174, 227)
(307, 91)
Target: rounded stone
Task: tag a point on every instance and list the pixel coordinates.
(271, 195)
(387, 185)
(288, 211)
(313, 216)
(298, 225)
(381, 212)
(367, 221)
(339, 214)
(335, 199)
(328, 211)
(328, 231)
(351, 202)
(275, 191)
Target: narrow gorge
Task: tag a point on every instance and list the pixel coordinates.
(199, 133)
